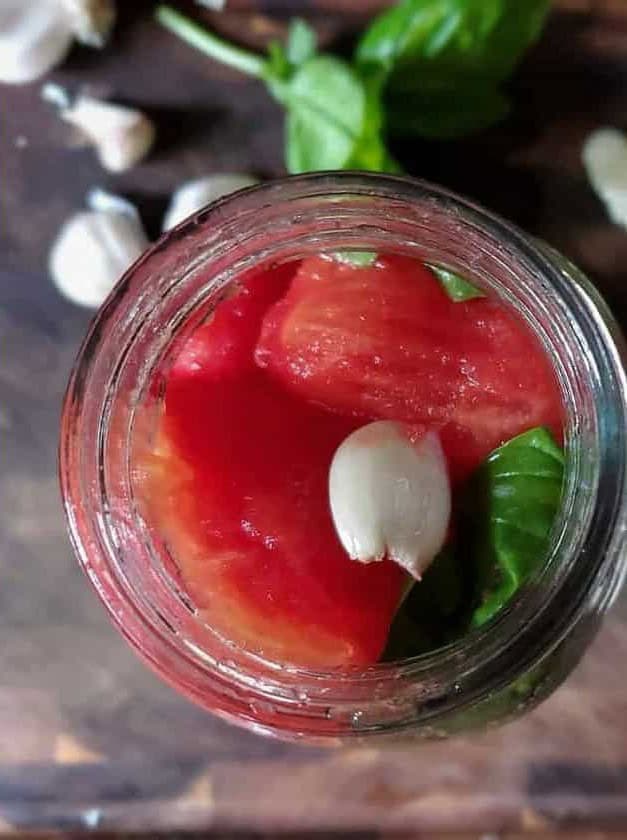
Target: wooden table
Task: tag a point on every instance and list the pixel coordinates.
(88, 737)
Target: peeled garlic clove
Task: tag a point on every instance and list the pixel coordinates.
(390, 495)
(105, 202)
(35, 35)
(95, 247)
(192, 196)
(121, 136)
(91, 21)
(605, 160)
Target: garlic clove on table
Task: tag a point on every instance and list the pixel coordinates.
(35, 35)
(605, 159)
(95, 247)
(91, 21)
(214, 5)
(121, 136)
(192, 196)
(390, 495)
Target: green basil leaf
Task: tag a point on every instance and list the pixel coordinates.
(439, 596)
(370, 152)
(278, 65)
(334, 114)
(446, 115)
(513, 501)
(455, 286)
(485, 38)
(519, 25)
(435, 610)
(334, 118)
(404, 29)
(444, 60)
(326, 105)
(360, 259)
(301, 42)
(407, 636)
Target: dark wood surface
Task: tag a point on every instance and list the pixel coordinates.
(88, 737)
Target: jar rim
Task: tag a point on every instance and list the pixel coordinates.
(487, 658)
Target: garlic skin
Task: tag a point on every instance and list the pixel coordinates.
(91, 21)
(390, 496)
(35, 36)
(121, 136)
(192, 196)
(95, 247)
(605, 159)
(214, 5)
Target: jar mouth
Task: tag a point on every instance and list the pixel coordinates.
(307, 214)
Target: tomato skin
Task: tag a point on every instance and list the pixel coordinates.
(386, 342)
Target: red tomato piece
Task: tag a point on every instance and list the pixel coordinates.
(238, 487)
(386, 342)
(224, 344)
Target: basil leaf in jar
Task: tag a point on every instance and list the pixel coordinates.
(515, 496)
(502, 537)
(434, 611)
(455, 286)
(360, 259)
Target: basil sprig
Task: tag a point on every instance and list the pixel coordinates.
(334, 117)
(455, 286)
(434, 68)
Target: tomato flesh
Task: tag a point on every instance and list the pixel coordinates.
(247, 516)
(387, 342)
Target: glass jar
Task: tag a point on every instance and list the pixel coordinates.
(490, 674)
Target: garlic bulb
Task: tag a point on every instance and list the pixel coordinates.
(390, 495)
(34, 37)
(91, 21)
(605, 160)
(192, 196)
(95, 247)
(121, 136)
